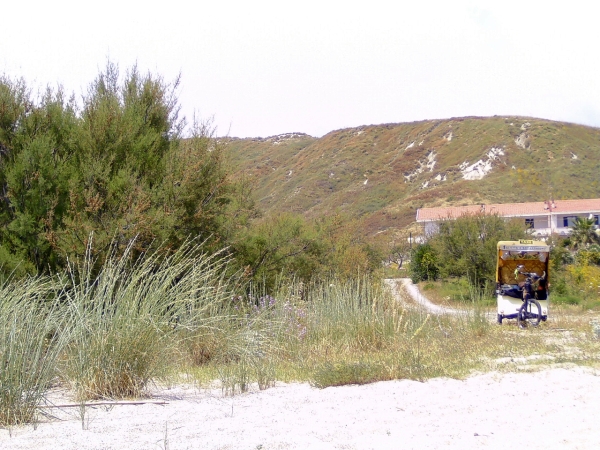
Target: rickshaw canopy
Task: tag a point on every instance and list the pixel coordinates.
(534, 255)
(524, 245)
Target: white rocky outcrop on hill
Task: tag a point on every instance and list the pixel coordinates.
(482, 167)
(523, 141)
(426, 164)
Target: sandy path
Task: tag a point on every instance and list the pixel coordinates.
(555, 408)
(397, 283)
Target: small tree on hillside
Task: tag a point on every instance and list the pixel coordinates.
(399, 253)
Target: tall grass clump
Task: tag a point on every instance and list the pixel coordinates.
(130, 320)
(358, 333)
(357, 314)
(32, 335)
(355, 331)
(249, 354)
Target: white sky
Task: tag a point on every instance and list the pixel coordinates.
(263, 68)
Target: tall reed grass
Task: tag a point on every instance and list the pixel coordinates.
(129, 321)
(33, 333)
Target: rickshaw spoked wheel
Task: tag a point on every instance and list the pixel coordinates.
(530, 313)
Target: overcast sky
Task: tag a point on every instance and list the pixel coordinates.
(265, 68)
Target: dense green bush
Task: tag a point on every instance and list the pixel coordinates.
(560, 256)
(291, 246)
(122, 166)
(116, 166)
(424, 263)
(466, 246)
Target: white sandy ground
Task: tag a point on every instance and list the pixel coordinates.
(554, 408)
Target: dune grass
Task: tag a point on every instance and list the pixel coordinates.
(129, 321)
(112, 334)
(107, 335)
(32, 336)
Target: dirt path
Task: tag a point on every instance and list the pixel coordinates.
(396, 284)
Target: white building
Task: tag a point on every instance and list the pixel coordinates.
(544, 217)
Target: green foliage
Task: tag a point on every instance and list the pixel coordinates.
(559, 257)
(591, 255)
(584, 233)
(289, 246)
(37, 145)
(285, 243)
(424, 263)
(466, 246)
(117, 168)
(577, 283)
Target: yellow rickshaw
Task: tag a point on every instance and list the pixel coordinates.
(522, 281)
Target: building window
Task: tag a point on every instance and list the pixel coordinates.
(569, 221)
(597, 220)
(529, 223)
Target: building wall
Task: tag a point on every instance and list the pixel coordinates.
(538, 221)
(431, 228)
(544, 225)
(566, 220)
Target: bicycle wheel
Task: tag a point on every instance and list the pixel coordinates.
(530, 313)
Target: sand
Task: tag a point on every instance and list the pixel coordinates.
(553, 408)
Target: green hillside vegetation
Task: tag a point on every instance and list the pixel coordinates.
(379, 174)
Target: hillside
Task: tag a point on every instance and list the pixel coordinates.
(380, 174)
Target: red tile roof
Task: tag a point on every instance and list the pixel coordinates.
(512, 209)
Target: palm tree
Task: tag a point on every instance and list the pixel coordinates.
(584, 232)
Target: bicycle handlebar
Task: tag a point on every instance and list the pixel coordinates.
(533, 275)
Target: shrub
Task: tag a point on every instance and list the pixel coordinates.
(466, 246)
(588, 256)
(560, 256)
(424, 264)
(117, 166)
(340, 374)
